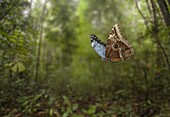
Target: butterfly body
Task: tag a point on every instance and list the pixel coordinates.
(116, 49)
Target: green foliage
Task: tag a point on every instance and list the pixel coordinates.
(30, 104)
(70, 107)
(91, 110)
(18, 67)
(15, 38)
(73, 80)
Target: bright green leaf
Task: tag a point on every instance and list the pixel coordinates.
(51, 111)
(14, 68)
(18, 67)
(75, 106)
(66, 100)
(21, 67)
(91, 110)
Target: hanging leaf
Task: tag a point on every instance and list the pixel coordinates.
(21, 67)
(14, 68)
(18, 67)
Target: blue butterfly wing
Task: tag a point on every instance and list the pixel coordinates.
(98, 45)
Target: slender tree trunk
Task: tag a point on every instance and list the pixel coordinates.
(40, 41)
(142, 15)
(164, 9)
(158, 41)
(155, 20)
(154, 31)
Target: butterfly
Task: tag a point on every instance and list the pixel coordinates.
(116, 49)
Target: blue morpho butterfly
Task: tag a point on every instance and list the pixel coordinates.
(116, 49)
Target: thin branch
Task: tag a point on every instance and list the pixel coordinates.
(166, 56)
(148, 6)
(144, 18)
(146, 82)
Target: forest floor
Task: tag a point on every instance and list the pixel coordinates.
(44, 105)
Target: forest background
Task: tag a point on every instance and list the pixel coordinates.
(48, 67)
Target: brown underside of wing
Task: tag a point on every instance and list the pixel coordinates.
(123, 51)
(126, 50)
(111, 55)
(114, 57)
(117, 47)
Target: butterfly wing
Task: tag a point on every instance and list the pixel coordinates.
(98, 45)
(117, 47)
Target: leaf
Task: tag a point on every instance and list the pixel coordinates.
(119, 92)
(149, 102)
(66, 100)
(25, 103)
(65, 114)
(51, 112)
(37, 97)
(75, 106)
(91, 110)
(69, 110)
(38, 105)
(14, 68)
(13, 40)
(18, 67)
(10, 64)
(21, 67)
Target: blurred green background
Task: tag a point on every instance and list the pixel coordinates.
(48, 67)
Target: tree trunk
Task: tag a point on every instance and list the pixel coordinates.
(155, 33)
(164, 9)
(158, 41)
(40, 41)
